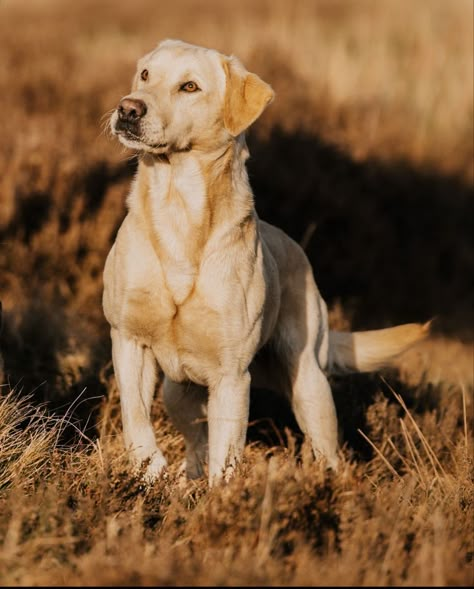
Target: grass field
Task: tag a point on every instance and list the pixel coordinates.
(366, 158)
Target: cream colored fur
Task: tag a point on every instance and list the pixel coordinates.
(197, 284)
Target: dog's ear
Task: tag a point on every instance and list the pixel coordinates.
(246, 97)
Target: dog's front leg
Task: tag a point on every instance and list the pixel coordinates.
(135, 371)
(228, 413)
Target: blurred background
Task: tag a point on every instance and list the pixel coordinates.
(365, 158)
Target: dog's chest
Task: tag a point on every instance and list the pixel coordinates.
(180, 222)
(185, 338)
(179, 291)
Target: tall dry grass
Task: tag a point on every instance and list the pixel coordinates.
(27, 436)
(366, 157)
(403, 517)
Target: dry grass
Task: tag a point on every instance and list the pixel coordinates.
(374, 117)
(27, 436)
(403, 517)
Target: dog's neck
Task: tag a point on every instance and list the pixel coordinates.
(188, 201)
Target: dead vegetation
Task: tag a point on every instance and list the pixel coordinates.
(374, 113)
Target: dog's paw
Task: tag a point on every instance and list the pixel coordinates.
(156, 468)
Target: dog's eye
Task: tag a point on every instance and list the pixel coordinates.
(189, 87)
(144, 75)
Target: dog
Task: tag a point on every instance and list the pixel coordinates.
(198, 285)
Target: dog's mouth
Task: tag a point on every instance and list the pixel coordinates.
(131, 139)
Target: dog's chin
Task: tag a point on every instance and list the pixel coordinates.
(140, 145)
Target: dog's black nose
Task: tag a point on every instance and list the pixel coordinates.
(130, 110)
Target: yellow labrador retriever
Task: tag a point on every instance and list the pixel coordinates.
(199, 285)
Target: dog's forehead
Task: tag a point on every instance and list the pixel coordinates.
(177, 58)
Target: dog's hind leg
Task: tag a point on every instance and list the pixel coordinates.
(186, 404)
(313, 406)
(302, 344)
(135, 371)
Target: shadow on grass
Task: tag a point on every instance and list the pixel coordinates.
(391, 242)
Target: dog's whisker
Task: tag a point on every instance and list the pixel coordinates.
(107, 114)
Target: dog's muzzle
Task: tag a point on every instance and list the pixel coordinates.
(130, 111)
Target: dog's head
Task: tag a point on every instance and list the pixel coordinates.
(187, 97)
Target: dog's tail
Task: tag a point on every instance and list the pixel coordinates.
(367, 351)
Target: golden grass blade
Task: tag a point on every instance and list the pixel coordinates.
(428, 450)
(387, 463)
(415, 456)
